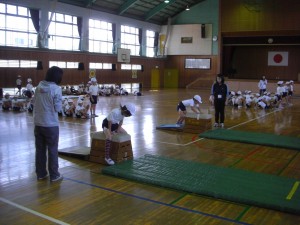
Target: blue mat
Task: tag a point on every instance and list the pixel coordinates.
(178, 127)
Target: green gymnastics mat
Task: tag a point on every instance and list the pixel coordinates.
(254, 138)
(241, 186)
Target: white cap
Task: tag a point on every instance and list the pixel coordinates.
(93, 79)
(280, 82)
(130, 107)
(291, 81)
(29, 80)
(232, 92)
(198, 98)
(257, 94)
(239, 92)
(288, 82)
(70, 100)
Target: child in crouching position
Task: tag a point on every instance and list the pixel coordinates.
(113, 124)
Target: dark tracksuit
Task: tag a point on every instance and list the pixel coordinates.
(219, 91)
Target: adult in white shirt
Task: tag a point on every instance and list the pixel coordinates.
(262, 85)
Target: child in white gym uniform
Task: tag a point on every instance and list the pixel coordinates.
(193, 103)
(113, 124)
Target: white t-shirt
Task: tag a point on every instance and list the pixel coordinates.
(189, 102)
(93, 90)
(78, 109)
(115, 116)
(29, 87)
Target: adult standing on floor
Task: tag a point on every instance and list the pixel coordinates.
(262, 85)
(47, 104)
(219, 92)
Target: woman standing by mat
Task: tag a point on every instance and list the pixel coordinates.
(219, 92)
(113, 124)
(47, 104)
(193, 103)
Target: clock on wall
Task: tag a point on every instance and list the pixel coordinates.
(215, 38)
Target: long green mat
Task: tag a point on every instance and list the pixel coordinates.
(254, 138)
(251, 188)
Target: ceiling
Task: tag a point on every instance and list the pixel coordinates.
(152, 11)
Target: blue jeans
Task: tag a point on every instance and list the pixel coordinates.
(46, 140)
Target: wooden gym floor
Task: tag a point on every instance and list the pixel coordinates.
(86, 196)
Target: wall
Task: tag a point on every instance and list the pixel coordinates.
(8, 76)
(264, 15)
(246, 28)
(200, 45)
(252, 62)
(193, 78)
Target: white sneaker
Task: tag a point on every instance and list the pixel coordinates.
(222, 125)
(59, 178)
(216, 125)
(109, 161)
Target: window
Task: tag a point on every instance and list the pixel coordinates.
(150, 35)
(63, 32)
(197, 63)
(18, 63)
(16, 27)
(100, 36)
(61, 64)
(130, 39)
(131, 67)
(95, 65)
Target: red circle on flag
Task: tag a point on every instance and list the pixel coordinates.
(277, 58)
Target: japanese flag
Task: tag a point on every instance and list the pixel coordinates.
(278, 58)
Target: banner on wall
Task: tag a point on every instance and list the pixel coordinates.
(92, 73)
(278, 58)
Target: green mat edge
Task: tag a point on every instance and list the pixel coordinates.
(113, 171)
(207, 134)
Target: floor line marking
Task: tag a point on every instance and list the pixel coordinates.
(293, 190)
(157, 202)
(33, 212)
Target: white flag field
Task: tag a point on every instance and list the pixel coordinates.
(278, 58)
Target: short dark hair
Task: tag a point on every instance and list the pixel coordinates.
(222, 78)
(54, 74)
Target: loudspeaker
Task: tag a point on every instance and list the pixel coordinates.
(81, 66)
(142, 68)
(202, 30)
(113, 67)
(39, 65)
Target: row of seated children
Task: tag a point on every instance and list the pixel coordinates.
(14, 103)
(78, 108)
(264, 101)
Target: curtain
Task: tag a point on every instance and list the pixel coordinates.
(156, 36)
(35, 18)
(79, 27)
(140, 41)
(114, 28)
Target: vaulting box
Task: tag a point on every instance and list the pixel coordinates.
(120, 148)
(197, 123)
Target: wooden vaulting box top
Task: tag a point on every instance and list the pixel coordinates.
(116, 137)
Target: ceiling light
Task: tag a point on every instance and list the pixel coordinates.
(167, 1)
(187, 8)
